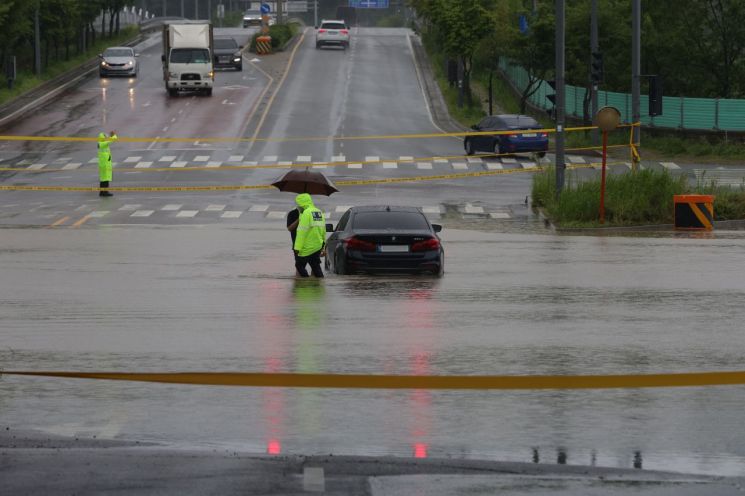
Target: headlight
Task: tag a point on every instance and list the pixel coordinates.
(237, 59)
(128, 63)
(104, 64)
(211, 74)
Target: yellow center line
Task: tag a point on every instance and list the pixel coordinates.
(59, 221)
(81, 221)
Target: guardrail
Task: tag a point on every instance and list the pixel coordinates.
(700, 114)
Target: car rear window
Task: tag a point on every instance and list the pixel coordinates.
(225, 43)
(390, 220)
(333, 25)
(520, 123)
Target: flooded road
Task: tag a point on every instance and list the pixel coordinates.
(222, 298)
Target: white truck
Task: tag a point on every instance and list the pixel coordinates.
(187, 57)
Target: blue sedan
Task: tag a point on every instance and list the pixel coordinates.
(524, 139)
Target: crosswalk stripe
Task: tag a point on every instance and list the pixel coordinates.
(499, 215)
(372, 158)
(258, 208)
(494, 166)
(167, 158)
(405, 158)
(320, 165)
(187, 213)
(93, 160)
(670, 165)
(508, 160)
(143, 165)
(284, 163)
(470, 209)
(171, 207)
(72, 165)
(338, 158)
(473, 160)
(231, 214)
(576, 159)
(131, 160)
(528, 165)
(142, 213)
(98, 213)
(431, 210)
(275, 215)
(441, 160)
(129, 207)
(270, 158)
(424, 165)
(201, 158)
(390, 165)
(215, 208)
(36, 166)
(303, 158)
(235, 158)
(213, 164)
(460, 165)
(354, 166)
(180, 163)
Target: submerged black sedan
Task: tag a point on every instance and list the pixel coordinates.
(384, 239)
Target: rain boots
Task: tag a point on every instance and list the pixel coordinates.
(105, 184)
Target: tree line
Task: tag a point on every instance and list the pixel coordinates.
(697, 46)
(67, 28)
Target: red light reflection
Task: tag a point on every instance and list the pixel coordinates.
(420, 450)
(273, 447)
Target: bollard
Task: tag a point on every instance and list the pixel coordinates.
(694, 212)
(264, 45)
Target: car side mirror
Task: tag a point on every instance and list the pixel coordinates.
(137, 55)
(240, 47)
(436, 228)
(100, 55)
(329, 228)
(162, 58)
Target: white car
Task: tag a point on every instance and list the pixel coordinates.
(332, 33)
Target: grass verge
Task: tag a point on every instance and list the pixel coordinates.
(632, 199)
(280, 33)
(28, 81)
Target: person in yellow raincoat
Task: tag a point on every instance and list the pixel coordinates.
(104, 161)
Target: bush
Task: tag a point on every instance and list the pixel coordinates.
(280, 33)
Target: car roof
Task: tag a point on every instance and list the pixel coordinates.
(384, 208)
(119, 48)
(333, 20)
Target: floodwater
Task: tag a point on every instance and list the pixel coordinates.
(219, 298)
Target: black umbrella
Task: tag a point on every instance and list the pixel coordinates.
(305, 181)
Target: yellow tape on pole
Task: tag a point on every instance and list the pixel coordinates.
(358, 381)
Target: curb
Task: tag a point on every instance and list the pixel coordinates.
(49, 89)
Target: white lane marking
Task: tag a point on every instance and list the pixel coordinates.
(303, 158)
(187, 213)
(342, 208)
(151, 145)
(390, 165)
(424, 165)
(225, 102)
(129, 207)
(508, 160)
(72, 165)
(167, 158)
(98, 214)
(62, 160)
(670, 165)
(36, 166)
(470, 209)
(142, 213)
(130, 160)
(173, 119)
(93, 160)
(441, 161)
(493, 166)
(235, 158)
(472, 160)
(354, 166)
(270, 158)
(181, 111)
(179, 163)
(215, 208)
(258, 208)
(143, 165)
(529, 165)
(231, 214)
(499, 215)
(575, 159)
(276, 215)
(431, 210)
(372, 158)
(285, 163)
(165, 129)
(201, 158)
(172, 207)
(460, 165)
(405, 158)
(338, 158)
(319, 165)
(214, 164)
(252, 162)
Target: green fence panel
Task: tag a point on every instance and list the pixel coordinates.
(731, 115)
(699, 113)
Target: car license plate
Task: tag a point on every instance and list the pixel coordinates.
(394, 248)
(333, 32)
(529, 135)
(224, 59)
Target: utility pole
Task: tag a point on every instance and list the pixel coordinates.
(182, 8)
(196, 9)
(164, 7)
(636, 24)
(37, 41)
(280, 11)
(594, 48)
(315, 13)
(209, 10)
(560, 93)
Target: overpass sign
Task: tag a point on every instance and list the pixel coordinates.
(369, 4)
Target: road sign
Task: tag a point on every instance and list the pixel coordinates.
(369, 4)
(265, 8)
(297, 6)
(523, 23)
(221, 11)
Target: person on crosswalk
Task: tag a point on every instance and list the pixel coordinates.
(310, 241)
(105, 169)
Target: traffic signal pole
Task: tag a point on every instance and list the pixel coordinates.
(594, 48)
(636, 22)
(560, 94)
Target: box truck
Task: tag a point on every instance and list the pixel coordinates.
(187, 57)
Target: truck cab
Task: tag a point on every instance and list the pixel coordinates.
(187, 58)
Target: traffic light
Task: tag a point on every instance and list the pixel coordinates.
(655, 95)
(596, 68)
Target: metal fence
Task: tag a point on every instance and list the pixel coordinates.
(708, 114)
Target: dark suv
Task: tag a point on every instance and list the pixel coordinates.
(228, 54)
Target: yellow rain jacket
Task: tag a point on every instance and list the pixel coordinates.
(311, 231)
(104, 157)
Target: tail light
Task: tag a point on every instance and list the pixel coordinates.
(344, 31)
(359, 245)
(321, 30)
(430, 244)
(544, 135)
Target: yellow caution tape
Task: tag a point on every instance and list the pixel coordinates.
(279, 140)
(359, 381)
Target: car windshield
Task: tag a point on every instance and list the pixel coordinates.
(225, 43)
(118, 52)
(390, 220)
(521, 122)
(189, 56)
(333, 25)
